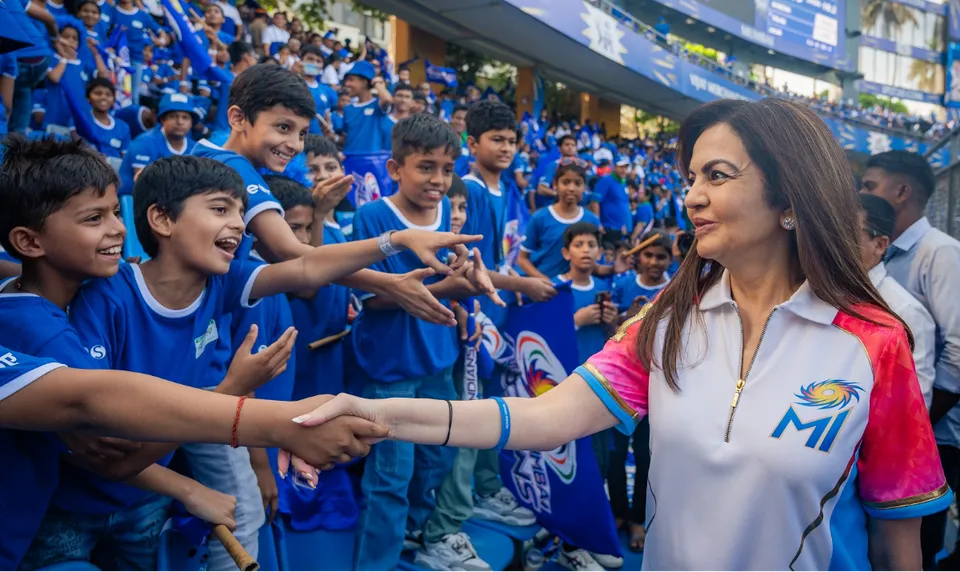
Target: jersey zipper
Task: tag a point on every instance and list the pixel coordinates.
(743, 380)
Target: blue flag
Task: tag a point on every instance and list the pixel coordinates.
(437, 74)
(191, 44)
(516, 216)
(564, 486)
(371, 180)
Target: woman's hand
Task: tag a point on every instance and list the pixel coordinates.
(248, 371)
(425, 244)
(211, 506)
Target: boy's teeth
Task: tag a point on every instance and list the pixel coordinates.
(111, 251)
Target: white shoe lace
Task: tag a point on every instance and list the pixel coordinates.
(506, 498)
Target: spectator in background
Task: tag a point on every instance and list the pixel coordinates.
(611, 203)
(877, 220)
(33, 19)
(926, 262)
(276, 34)
(363, 119)
(177, 117)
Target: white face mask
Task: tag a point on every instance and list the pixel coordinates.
(311, 69)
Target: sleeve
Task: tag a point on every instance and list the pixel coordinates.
(531, 240)
(149, 22)
(600, 191)
(260, 198)
(548, 173)
(889, 487)
(100, 327)
(945, 309)
(139, 153)
(18, 371)
(238, 283)
(617, 377)
(8, 66)
(924, 343)
(475, 208)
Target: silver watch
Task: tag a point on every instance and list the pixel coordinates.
(385, 242)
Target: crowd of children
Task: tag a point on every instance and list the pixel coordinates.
(248, 285)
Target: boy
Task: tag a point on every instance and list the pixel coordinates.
(363, 118)
(177, 118)
(611, 203)
(61, 221)
(421, 355)
(444, 544)
(137, 23)
(112, 137)
(324, 97)
(546, 195)
(270, 110)
(631, 292)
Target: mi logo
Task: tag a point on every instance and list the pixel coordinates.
(829, 425)
(822, 395)
(209, 336)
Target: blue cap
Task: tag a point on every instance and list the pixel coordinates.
(362, 69)
(331, 35)
(623, 160)
(177, 102)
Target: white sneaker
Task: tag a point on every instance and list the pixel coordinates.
(453, 552)
(578, 559)
(608, 561)
(502, 507)
(412, 540)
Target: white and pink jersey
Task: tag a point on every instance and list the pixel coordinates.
(830, 428)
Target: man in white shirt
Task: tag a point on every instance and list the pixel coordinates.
(276, 34)
(877, 219)
(926, 262)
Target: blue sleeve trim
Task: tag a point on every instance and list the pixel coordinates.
(628, 422)
(941, 501)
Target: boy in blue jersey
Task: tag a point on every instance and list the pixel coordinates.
(643, 215)
(458, 120)
(593, 319)
(541, 254)
(270, 110)
(546, 194)
(176, 116)
(112, 137)
(400, 355)
(631, 292)
(324, 96)
(611, 203)
(61, 221)
(138, 24)
(363, 118)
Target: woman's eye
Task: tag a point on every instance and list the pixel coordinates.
(716, 175)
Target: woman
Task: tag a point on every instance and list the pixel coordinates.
(787, 427)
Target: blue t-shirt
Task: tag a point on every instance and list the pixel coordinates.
(320, 371)
(112, 139)
(57, 110)
(643, 215)
(590, 339)
(391, 345)
(8, 68)
(144, 150)
(32, 460)
(324, 98)
(259, 192)
(628, 287)
(464, 161)
(136, 22)
(57, 10)
(126, 328)
(544, 238)
(486, 215)
(363, 125)
(132, 115)
(614, 203)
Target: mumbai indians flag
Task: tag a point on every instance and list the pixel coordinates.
(516, 215)
(190, 43)
(564, 486)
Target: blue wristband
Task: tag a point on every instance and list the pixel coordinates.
(504, 423)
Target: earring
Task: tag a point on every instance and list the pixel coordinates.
(788, 223)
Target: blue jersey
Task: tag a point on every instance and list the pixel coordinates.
(32, 459)
(391, 345)
(611, 194)
(320, 371)
(57, 112)
(136, 22)
(57, 10)
(272, 317)
(260, 197)
(132, 115)
(324, 98)
(464, 162)
(627, 287)
(590, 339)
(643, 215)
(486, 215)
(35, 30)
(111, 138)
(128, 329)
(144, 150)
(363, 125)
(544, 238)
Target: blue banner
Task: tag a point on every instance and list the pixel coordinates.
(564, 486)
(907, 50)
(371, 180)
(191, 44)
(444, 76)
(516, 215)
(898, 92)
(951, 95)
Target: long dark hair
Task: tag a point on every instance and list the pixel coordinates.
(803, 168)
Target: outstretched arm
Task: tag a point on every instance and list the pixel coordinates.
(567, 412)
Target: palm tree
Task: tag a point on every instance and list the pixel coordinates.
(925, 74)
(892, 15)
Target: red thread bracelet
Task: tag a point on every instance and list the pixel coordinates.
(236, 422)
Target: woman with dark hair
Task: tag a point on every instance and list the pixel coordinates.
(787, 427)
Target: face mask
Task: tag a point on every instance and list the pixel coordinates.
(311, 69)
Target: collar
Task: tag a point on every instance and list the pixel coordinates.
(804, 303)
(912, 235)
(571, 220)
(565, 278)
(877, 274)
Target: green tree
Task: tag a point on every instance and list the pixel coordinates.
(892, 16)
(316, 13)
(467, 63)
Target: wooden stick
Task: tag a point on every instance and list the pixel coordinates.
(240, 556)
(327, 340)
(643, 245)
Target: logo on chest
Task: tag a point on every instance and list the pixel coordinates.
(207, 338)
(835, 396)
